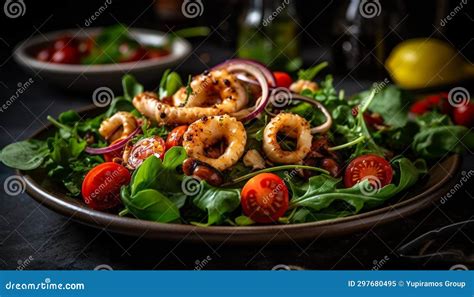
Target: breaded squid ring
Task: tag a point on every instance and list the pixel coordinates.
(147, 103)
(293, 126)
(218, 88)
(209, 130)
(120, 125)
(215, 93)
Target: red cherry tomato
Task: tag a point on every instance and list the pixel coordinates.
(265, 198)
(283, 79)
(109, 157)
(66, 55)
(156, 53)
(64, 41)
(144, 148)
(464, 115)
(175, 137)
(372, 167)
(45, 55)
(85, 46)
(131, 54)
(432, 102)
(101, 186)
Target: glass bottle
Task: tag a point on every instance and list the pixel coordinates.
(269, 34)
(365, 32)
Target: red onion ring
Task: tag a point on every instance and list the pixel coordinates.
(321, 128)
(251, 113)
(266, 72)
(113, 147)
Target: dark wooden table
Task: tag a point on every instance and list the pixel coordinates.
(33, 237)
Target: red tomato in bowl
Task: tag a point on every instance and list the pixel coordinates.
(372, 167)
(66, 55)
(63, 42)
(101, 186)
(45, 55)
(156, 53)
(264, 198)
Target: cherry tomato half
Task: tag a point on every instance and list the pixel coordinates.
(372, 167)
(144, 148)
(156, 53)
(464, 115)
(283, 79)
(66, 55)
(175, 137)
(109, 157)
(63, 42)
(101, 186)
(45, 55)
(265, 198)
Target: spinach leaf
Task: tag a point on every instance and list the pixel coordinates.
(131, 87)
(160, 175)
(435, 142)
(150, 204)
(169, 84)
(146, 176)
(321, 191)
(217, 202)
(119, 104)
(24, 155)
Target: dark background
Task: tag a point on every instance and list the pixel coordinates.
(55, 242)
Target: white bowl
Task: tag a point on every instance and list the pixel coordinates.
(90, 77)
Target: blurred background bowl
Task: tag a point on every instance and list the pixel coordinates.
(89, 77)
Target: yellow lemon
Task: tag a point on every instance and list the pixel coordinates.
(422, 62)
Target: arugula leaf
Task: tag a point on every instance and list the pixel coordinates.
(310, 73)
(24, 155)
(321, 191)
(392, 104)
(432, 119)
(217, 202)
(435, 142)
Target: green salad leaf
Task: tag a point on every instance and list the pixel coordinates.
(169, 84)
(436, 142)
(24, 155)
(131, 87)
(150, 204)
(217, 202)
(321, 192)
(392, 104)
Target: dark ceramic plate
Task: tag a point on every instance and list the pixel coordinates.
(430, 189)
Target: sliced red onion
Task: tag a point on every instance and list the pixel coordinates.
(321, 128)
(244, 78)
(266, 72)
(113, 147)
(251, 113)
